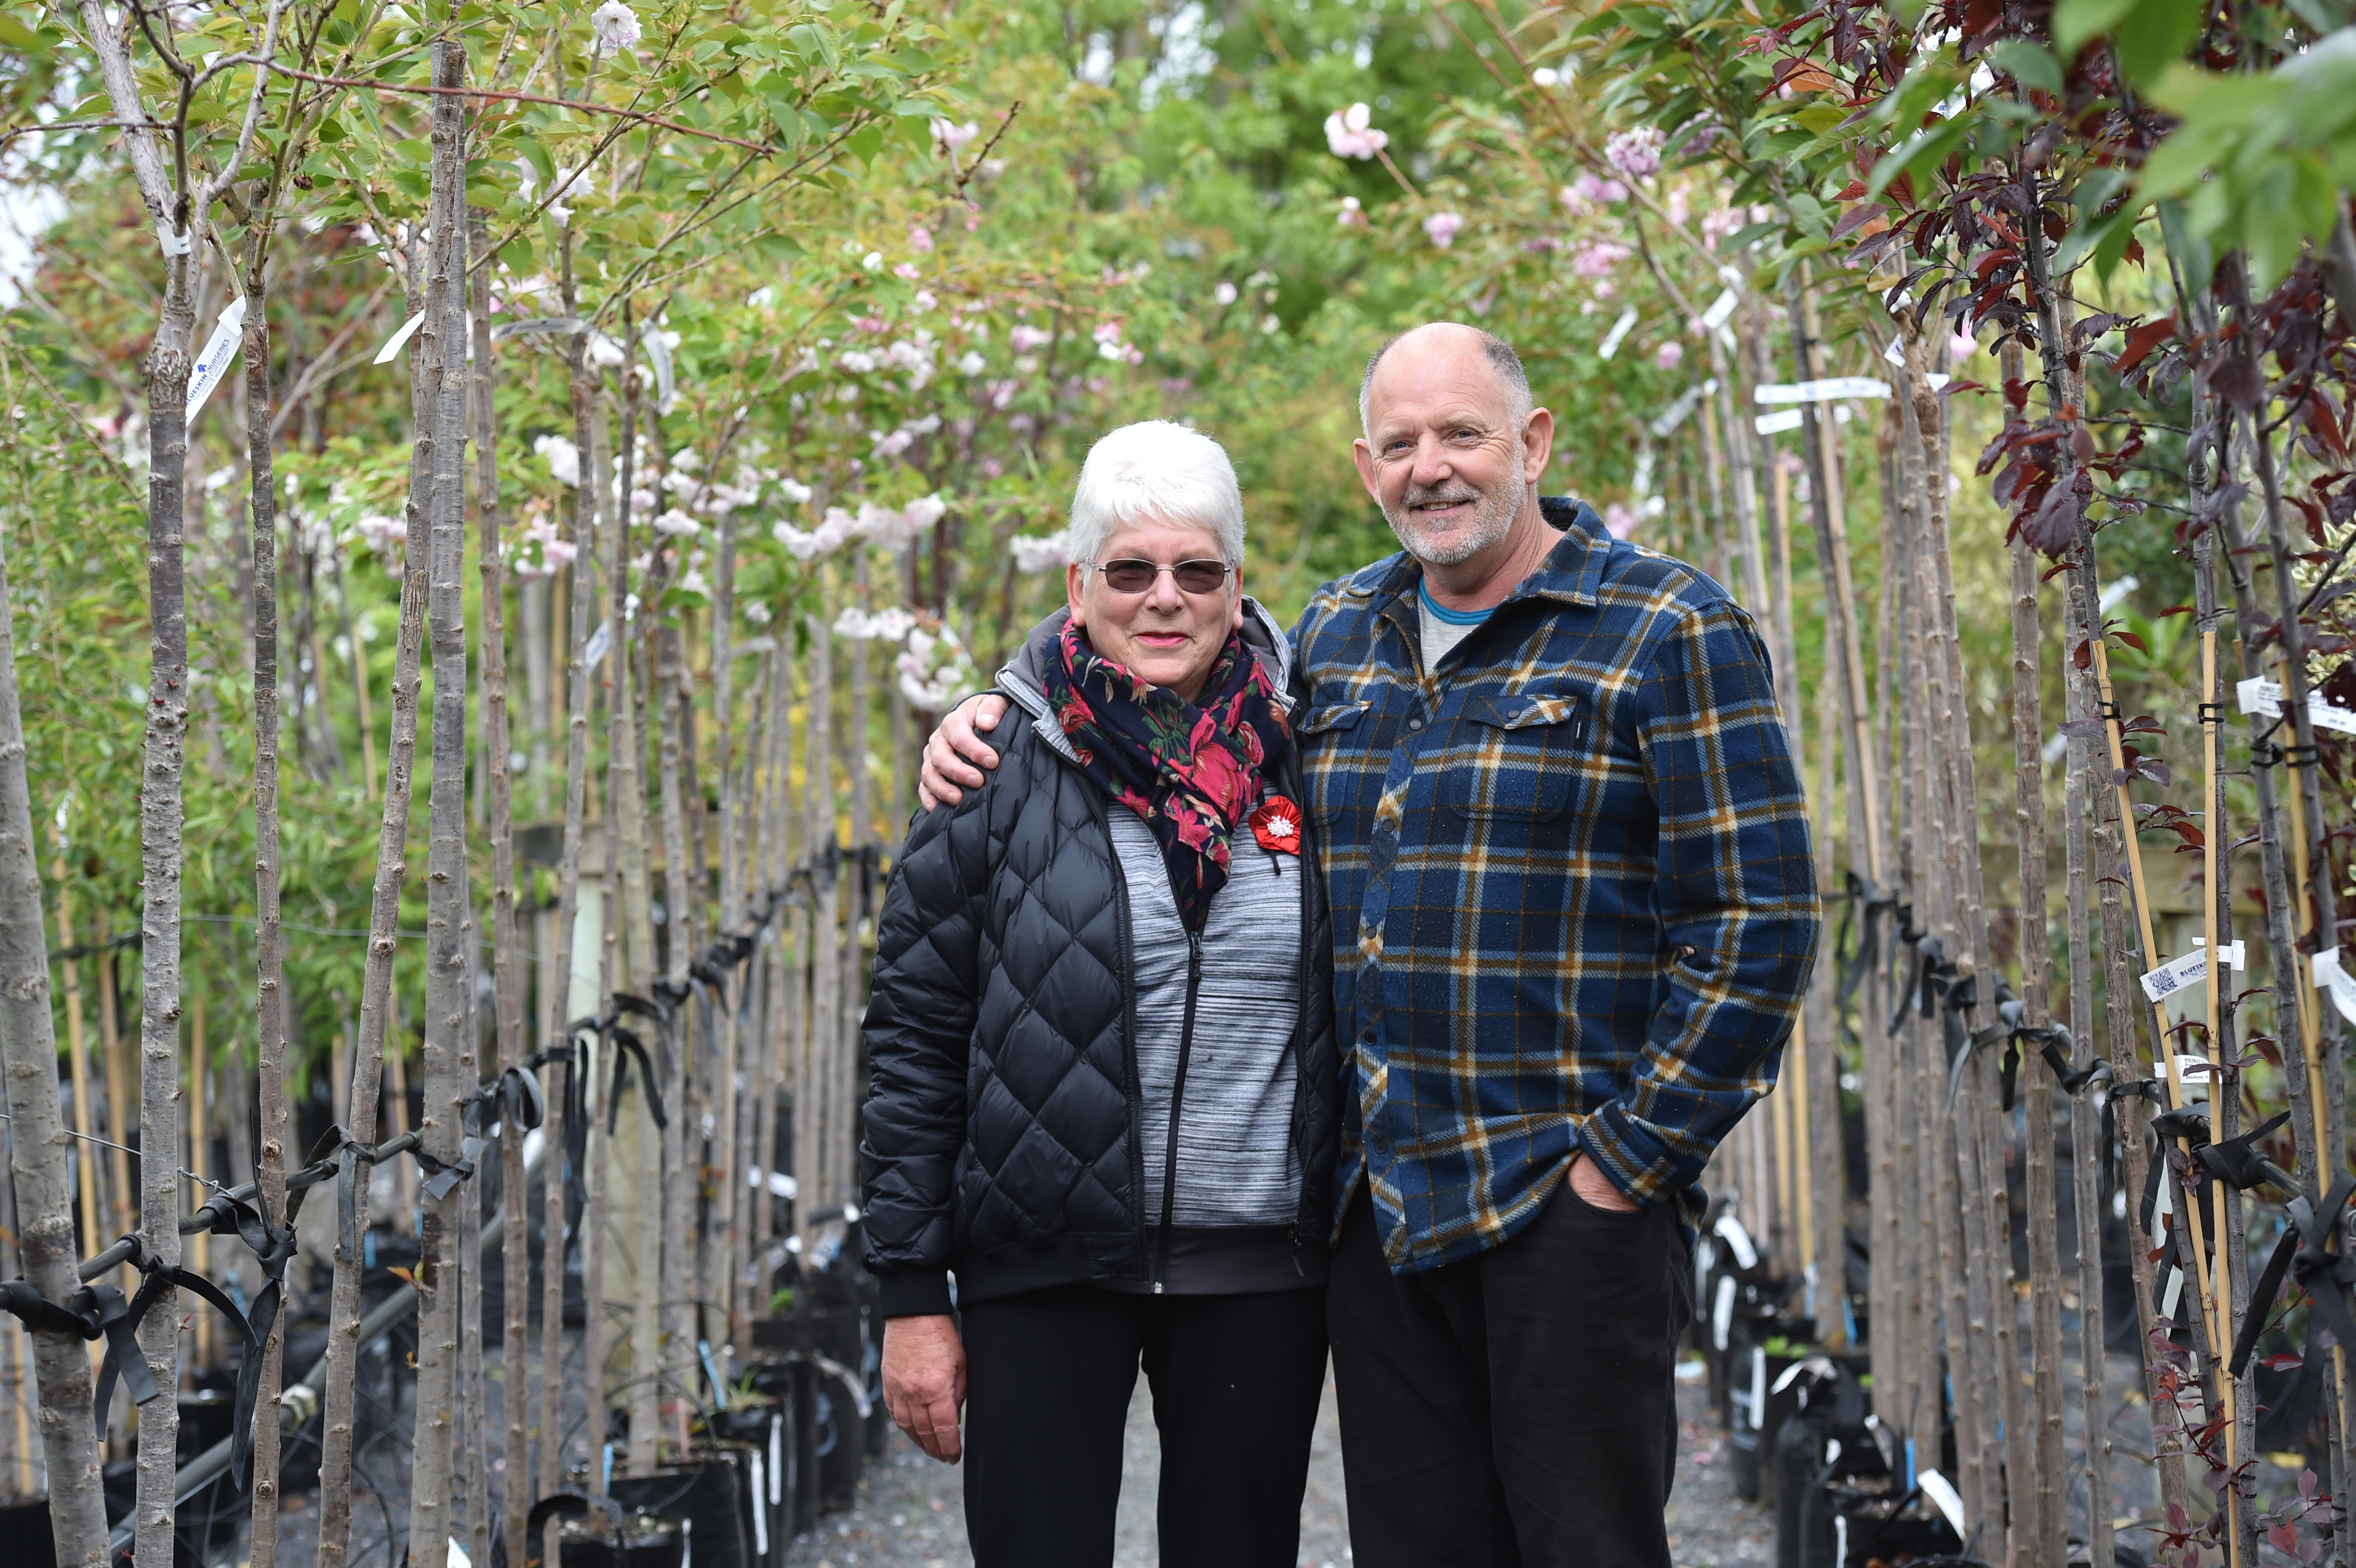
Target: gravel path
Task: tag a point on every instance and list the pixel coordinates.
(911, 1514)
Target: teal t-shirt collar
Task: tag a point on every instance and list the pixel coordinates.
(1443, 614)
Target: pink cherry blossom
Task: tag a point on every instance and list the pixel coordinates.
(1669, 354)
(1350, 132)
(1962, 346)
(1598, 257)
(1441, 229)
(1635, 153)
(919, 238)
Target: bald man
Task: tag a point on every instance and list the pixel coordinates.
(1574, 912)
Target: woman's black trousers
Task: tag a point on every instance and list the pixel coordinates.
(1236, 1383)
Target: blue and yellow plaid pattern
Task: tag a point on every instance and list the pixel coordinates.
(1574, 905)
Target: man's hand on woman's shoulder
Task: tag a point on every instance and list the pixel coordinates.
(955, 753)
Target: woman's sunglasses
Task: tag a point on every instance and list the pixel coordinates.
(1136, 576)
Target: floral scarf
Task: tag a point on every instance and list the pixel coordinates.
(1192, 770)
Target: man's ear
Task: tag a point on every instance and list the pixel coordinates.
(1538, 445)
(1362, 454)
(1235, 620)
(1076, 588)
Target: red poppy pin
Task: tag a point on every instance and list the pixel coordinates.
(1277, 826)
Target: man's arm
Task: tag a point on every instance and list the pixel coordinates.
(955, 753)
(1736, 889)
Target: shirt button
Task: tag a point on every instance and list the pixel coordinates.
(1415, 724)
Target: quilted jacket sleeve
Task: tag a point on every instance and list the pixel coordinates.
(920, 1019)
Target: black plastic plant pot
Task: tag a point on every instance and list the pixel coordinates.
(648, 1541)
(712, 1493)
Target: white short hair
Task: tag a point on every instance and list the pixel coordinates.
(1159, 470)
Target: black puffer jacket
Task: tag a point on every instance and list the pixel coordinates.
(1003, 1111)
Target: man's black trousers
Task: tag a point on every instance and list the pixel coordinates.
(1517, 1409)
(1236, 1383)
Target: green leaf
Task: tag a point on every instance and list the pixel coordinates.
(1928, 149)
(2027, 64)
(2077, 23)
(2163, 30)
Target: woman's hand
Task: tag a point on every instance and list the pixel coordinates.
(924, 1382)
(955, 754)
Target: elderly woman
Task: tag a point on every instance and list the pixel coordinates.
(1104, 1080)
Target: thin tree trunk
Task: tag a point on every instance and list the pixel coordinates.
(161, 816)
(826, 958)
(731, 921)
(473, 1417)
(559, 972)
(2086, 1152)
(377, 1006)
(37, 1144)
(445, 878)
(678, 895)
(269, 1002)
(2120, 951)
(515, 1257)
(2047, 1525)
(594, 1217)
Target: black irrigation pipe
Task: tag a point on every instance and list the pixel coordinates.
(301, 1400)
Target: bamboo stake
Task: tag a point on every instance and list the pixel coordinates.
(1831, 558)
(37, 1146)
(446, 881)
(199, 1156)
(78, 1054)
(119, 1188)
(2232, 1284)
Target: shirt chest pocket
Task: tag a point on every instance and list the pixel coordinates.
(1520, 757)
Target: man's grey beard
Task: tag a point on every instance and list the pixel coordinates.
(1492, 520)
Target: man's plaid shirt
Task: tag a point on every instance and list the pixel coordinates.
(1574, 898)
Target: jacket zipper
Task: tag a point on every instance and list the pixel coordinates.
(1133, 1090)
(1177, 1099)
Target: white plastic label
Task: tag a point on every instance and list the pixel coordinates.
(2265, 697)
(1618, 333)
(2176, 975)
(1719, 309)
(214, 362)
(173, 245)
(1830, 389)
(1721, 1311)
(2330, 977)
(1942, 1491)
(392, 345)
(1730, 1229)
(1769, 424)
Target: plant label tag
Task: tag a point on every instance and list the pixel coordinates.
(2264, 698)
(2330, 977)
(392, 345)
(2176, 975)
(213, 363)
(1830, 389)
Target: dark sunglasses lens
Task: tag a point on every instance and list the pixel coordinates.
(1128, 576)
(1201, 576)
